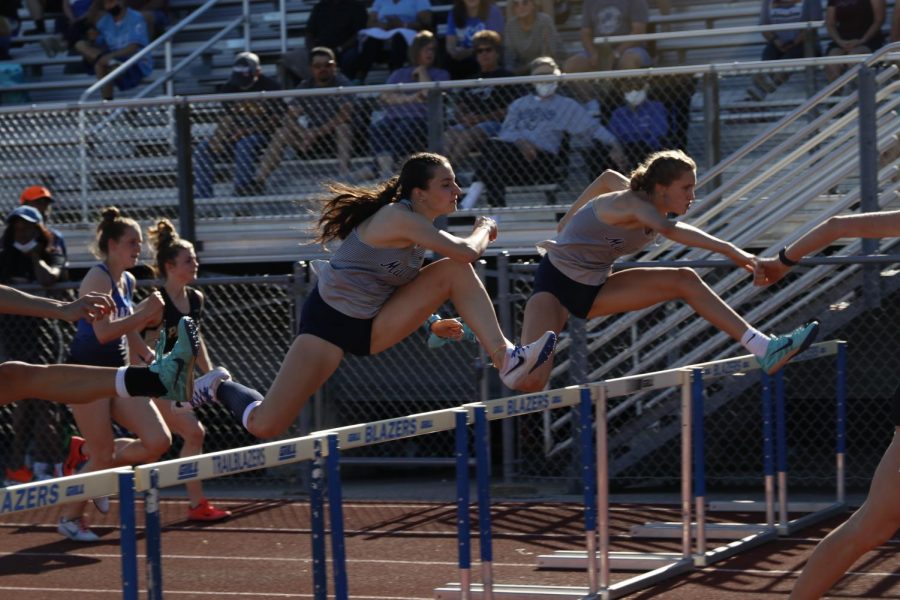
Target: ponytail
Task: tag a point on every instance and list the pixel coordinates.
(351, 205)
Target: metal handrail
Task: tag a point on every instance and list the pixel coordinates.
(165, 39)
(702, 33)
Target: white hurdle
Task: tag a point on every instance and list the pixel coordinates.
(81, 488)
(661, 566)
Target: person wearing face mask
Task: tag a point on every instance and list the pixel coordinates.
(528, 147)
(641, 124)
(119, 34)
(28, 256)
(244, 130)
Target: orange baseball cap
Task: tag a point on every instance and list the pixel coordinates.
(35, 192)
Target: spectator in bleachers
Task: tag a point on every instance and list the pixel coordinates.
(855, 28)
(480, 110)
(36, 10)
(333, 24)
(465, 19)
(27, 255)
(244, 130)
(316, 125)
(391, 28)
(784, 44)
(641, 124)
(42, 199)
(558, 10)
(78, 17)
(9, 25)
(600, 18)
(121, 32)
(155, 13)
(404, 127)
(529, 149)
(527, 36)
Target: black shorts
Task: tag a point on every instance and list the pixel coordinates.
(349, 334)
(576, 297)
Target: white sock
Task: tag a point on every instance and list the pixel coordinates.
(121, 390)
(247, 412)
(755, 342)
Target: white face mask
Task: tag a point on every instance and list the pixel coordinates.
(544, 90)
(26, 247)
(636, 97)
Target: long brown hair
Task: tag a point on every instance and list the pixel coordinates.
(661, 167)
(351, 205)
(112, 226)
(167, 243)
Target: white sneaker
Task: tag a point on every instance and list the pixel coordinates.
(205, 387)
(522, 360)
(471, 197)
(102, 504)
(76, 530)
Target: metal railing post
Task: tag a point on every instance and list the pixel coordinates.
(711, 113)
(868, 175)
(186, 223)
(435, 120)
(246, 12)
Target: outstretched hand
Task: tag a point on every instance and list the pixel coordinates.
(770, 270)
(448, 328)
(90, 307)
(490, 224)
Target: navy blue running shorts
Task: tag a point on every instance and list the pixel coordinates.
(576, 297)
(351, 335)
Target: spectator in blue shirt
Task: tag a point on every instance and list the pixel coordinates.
(121, 32)
(641, 124)
(391, 28)
(467, 18)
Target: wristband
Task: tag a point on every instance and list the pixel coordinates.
(785, 260)
(431, 321)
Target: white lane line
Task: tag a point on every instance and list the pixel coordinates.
(795, 572)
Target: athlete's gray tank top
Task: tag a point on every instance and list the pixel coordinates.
(359, 279)
(587, 247)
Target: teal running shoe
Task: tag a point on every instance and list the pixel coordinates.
(783, 348)
(176, 369)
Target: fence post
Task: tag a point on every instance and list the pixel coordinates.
(868, 176)
(436, 120)
(505, 309)
(481, 364)
(711, 115)
(184, 152)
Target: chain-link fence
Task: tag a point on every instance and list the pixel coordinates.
(263, 158)
(248, 325)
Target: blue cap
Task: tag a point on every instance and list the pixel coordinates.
(28, 213)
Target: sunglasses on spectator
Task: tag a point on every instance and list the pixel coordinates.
(484, 49)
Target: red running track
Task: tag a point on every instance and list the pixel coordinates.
(395, 550)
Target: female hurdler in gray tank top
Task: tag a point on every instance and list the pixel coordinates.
(587, 247)
(359, 279)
